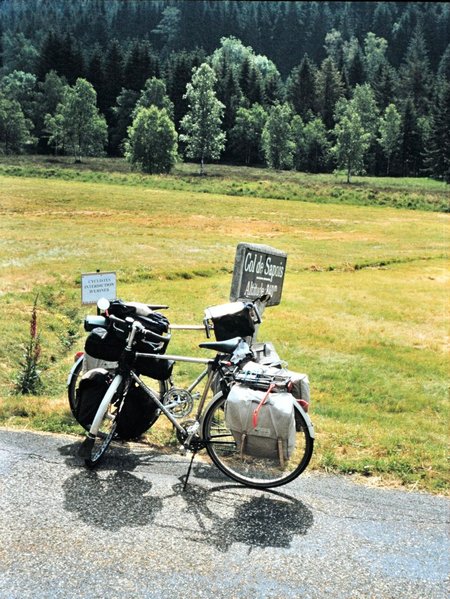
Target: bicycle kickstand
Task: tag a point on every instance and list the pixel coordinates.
(189, 470)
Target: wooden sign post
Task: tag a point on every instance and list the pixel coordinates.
(258, 270)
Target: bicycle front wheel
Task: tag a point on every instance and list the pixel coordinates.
(260, 472)
(106, 431)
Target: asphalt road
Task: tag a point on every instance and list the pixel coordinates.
(129, 530)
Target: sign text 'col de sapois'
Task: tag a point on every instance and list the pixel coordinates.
(258, 269)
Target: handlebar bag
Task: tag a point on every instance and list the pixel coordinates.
(153, 321)
(273, 435)
(104, 344)
(232, 320)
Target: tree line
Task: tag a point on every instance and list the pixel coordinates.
(350, 102)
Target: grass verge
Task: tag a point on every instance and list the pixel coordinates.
(364, 309)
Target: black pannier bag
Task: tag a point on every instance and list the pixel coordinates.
(104, 345)
(91, 390)
(231, 320)
(138, 414)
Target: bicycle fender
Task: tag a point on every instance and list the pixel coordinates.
(309, 424)
(72, 370)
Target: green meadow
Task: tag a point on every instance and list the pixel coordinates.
(364, 309)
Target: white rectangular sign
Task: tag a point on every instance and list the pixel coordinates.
(95, 285)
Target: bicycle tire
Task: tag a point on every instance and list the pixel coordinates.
(261, 473)
(72, 385)
(106, 431)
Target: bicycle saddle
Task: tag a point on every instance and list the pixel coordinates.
(224, 347)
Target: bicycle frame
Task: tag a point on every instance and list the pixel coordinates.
(208, 371)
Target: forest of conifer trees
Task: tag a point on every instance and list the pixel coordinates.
(312, 86)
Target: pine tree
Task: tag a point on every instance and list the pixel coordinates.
(96, 77)
(71, 60)
(140, 65)
(444, 66)
(300, 88)
(179, 73)
(415, 74)
(50, 56)
(122, 118)
(245, 79)
(230, 94)
(437, 148)
(113, 73)
(384, 85)
(329, 89)
(410, 146)
(355, 69)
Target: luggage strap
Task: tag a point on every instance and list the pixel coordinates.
(260, 405)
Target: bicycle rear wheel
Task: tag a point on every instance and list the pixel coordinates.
(256, 472)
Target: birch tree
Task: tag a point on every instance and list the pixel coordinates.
(201, 126)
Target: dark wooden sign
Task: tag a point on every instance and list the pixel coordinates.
(258, 269)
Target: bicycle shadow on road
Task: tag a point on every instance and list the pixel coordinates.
(229, 514)
(217, 516)
(111, 500)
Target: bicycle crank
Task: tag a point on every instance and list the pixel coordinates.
(190, 439)
(179, 401)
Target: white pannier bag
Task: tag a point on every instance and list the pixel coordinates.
(274, 434)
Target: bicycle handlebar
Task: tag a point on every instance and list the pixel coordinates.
(146, 333)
